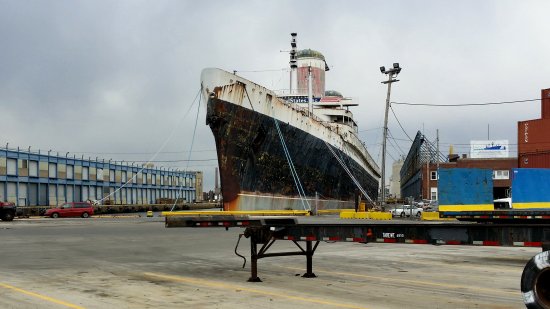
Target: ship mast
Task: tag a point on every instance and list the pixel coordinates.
(293, 61)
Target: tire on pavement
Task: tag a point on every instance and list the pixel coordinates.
(535, 282)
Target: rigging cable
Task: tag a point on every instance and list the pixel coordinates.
(293, 172)
(295, 176)
(189, 156)
(156, 153)
(349, 172)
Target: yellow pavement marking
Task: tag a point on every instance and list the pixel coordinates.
(226, 286)
(407, 281)
(43, 297)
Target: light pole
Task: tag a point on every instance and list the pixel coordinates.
(392, 77)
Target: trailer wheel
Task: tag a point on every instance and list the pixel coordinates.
(535, 282)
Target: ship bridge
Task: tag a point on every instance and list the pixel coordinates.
(333, 107)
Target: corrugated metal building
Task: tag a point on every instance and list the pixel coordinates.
(534, 137)
(422, 154)
(40, 179)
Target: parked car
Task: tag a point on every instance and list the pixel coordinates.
(406, 210)
(430, 205)
(7, 211)
(72, 209)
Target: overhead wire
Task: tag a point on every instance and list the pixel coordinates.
(466, 104)
(392, 138)
(371, 129)
(400, 125)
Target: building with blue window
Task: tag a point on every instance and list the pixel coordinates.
(44, 179)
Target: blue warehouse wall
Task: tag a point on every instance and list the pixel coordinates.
(42, 179)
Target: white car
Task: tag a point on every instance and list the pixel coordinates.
(405, 211)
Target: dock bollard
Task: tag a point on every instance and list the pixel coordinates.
(149, 213)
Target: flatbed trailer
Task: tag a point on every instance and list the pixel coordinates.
(263, 232)
(515, 216)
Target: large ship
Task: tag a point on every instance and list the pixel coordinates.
(297, 149)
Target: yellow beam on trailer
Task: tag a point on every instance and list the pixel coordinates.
(237, 213)
(332, 211)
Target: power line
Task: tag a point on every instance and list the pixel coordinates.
(389, 154)
(391, 136)
(467, 104)
(394, 115)
(372, 129)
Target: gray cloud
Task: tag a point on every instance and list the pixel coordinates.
(105, 77)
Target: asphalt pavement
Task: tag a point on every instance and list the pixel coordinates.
(135, 262)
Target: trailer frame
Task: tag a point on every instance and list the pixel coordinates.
(263, 232)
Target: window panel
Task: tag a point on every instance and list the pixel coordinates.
(12, 167)
(52, 170)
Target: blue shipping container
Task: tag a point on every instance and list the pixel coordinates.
(465, 189)
(530, 188)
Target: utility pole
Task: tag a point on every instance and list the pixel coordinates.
(428, 175)
(437, 158)
(392, 75)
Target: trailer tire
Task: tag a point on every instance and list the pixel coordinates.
(535, 282)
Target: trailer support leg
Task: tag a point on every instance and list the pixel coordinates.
(254, 261)
(309, 259)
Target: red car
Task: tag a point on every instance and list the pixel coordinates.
(73, 209)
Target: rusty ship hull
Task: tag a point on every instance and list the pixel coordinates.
(254, 171)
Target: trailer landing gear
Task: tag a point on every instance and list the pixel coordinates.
(266, 239)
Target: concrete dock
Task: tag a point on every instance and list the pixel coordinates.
(132, 262)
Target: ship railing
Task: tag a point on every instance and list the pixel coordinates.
(327, 124)
(293, 92)
(367, 155)
(304, 111)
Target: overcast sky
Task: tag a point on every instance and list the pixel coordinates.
(113, 79)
